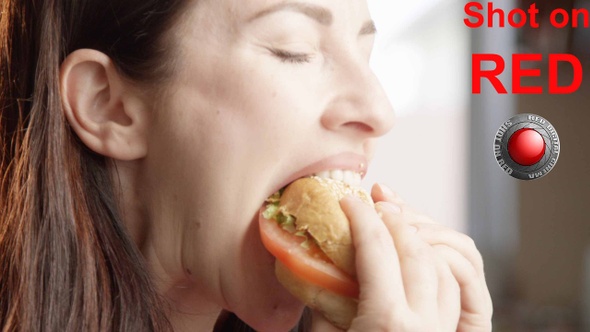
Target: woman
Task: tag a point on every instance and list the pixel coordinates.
(140, 138)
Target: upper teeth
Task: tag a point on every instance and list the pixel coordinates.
(349, 177)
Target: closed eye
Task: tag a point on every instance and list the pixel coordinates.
(291, 57)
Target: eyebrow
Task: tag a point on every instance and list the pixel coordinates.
(320, 14)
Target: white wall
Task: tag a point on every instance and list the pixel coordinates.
(422, 58)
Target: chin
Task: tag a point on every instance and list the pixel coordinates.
(268, 306)
(279, 317)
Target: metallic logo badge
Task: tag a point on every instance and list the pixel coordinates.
(526, 147)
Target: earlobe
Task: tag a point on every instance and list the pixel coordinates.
(101, 106)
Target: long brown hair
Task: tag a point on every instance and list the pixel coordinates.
(66, 260)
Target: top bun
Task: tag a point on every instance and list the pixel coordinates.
(315, 204)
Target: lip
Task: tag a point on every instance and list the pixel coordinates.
(346, 161)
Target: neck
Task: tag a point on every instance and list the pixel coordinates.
(189, 311)
(189, 308)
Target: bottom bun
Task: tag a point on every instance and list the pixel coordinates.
(337, 309)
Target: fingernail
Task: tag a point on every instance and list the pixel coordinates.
(386, 191)
(389, 207)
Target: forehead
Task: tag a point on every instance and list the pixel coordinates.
(325, 10)
(222, 23)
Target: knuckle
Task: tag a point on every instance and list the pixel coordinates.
(468, 241)
(417, 251)
(401, 324)
(453, 287)
(447, 278)
(470, 244)
(479, 265)
(470, 276)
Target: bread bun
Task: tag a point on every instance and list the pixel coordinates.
(315, 204)
(339, 310)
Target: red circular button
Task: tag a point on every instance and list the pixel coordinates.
(526, 147)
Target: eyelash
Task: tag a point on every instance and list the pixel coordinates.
(291, 57)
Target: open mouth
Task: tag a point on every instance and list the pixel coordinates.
(349, 177)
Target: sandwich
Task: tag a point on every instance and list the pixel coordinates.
(307, 232)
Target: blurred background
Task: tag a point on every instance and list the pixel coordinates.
(534, 235)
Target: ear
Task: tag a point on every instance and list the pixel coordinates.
(104, 110)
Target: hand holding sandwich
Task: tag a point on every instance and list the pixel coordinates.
(413, 275)
(372, 267)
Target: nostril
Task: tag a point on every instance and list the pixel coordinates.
(359, 126)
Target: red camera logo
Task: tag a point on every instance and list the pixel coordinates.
(526, 147)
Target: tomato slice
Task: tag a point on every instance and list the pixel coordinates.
(311, 268)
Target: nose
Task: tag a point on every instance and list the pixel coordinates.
(360, 106)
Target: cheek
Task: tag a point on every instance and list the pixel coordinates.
(269, 307)
(247, 96)
(264, 97)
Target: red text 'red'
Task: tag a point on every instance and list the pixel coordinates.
(518, 72)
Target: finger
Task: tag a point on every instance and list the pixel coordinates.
(463, 244)
(449, 296)
(381, 193)
(439, 234)
(378, 270)
(474, 306)
(417, 261)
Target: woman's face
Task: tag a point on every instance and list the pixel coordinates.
(265, 91)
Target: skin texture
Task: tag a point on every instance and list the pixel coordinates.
(253, 100)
